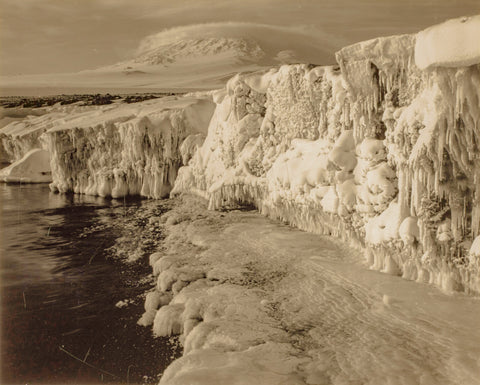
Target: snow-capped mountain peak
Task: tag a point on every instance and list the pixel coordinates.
(192, 48)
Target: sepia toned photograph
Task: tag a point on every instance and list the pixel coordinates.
(240, 192)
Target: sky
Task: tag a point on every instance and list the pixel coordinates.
(52, 36)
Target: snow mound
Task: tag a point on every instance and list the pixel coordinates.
(34, 167)
(454, 43)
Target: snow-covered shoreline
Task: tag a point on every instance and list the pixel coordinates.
(255, 301)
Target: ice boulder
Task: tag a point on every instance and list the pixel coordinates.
(34, 167)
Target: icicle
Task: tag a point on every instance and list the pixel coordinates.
(390, 82)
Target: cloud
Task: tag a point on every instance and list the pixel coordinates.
(309, 43)
(207, 30)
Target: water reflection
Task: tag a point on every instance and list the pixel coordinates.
(39, 229)
(59, 290)
(35, 225)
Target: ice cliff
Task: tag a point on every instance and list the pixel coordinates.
(125, 150)
(381, 150)
(21, 128)
(20, 140)
(22, 134)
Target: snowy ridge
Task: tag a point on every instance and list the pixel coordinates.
(377, 152)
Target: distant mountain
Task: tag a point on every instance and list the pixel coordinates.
(239, 48)
(192, 57)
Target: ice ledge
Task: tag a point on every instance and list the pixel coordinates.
(454, 43)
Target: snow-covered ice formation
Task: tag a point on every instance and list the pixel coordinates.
(451, 44)
(22, 134)
(113, 150)
(24, 126)
(381, 150)
(125, 150)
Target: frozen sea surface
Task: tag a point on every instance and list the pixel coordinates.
(278, 305)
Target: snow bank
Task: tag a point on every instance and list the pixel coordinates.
(453, 43)
(34, 167)
(354, 151)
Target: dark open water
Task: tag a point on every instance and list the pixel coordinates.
(60, 285)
